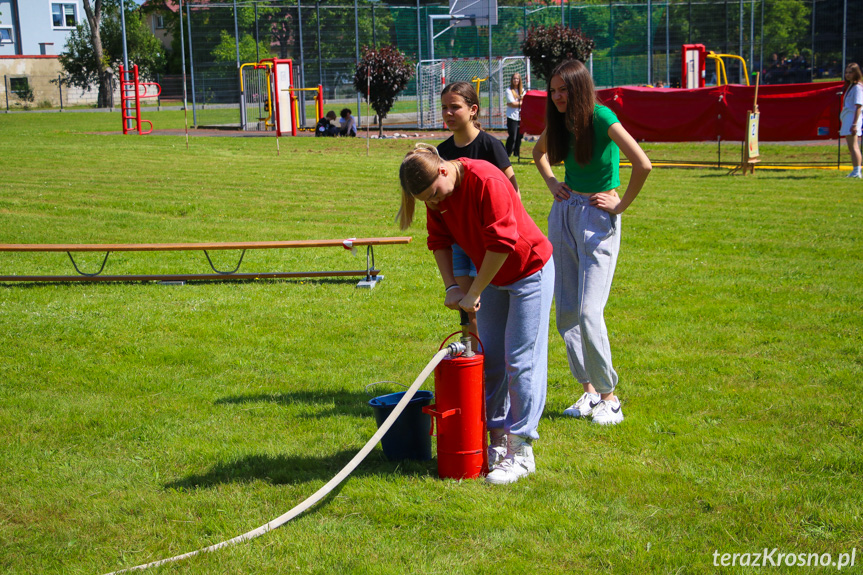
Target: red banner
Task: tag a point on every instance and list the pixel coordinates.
(789, 112)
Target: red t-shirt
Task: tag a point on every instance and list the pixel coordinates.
(485, 214)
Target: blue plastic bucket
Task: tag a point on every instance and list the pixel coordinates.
(408, 438)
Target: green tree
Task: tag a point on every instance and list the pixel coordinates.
(94, 50)
(225, 52)
(786, 26)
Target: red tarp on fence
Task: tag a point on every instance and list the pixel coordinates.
(789, 112)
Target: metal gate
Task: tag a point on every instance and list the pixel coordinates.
(256, 97)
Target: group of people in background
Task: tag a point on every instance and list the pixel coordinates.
(791, 70)
(496, 263)
(326, 126)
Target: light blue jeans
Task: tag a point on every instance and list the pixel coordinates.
(513, 326)
(461, 264)
(586, 242)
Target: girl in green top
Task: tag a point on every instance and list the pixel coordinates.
(584, 226)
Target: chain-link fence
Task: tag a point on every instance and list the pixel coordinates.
(636, 42)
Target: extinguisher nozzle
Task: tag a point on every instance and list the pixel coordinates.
(455, 349)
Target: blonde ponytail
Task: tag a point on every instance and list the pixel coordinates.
(420, 167)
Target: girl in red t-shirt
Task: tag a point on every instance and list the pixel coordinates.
(470, 202)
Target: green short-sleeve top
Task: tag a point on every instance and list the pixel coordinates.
(603, 171)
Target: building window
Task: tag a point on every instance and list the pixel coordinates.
(63, 15)
(19, 86)
(159, 21)
(5, 35)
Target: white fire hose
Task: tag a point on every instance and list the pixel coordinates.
(452, 349)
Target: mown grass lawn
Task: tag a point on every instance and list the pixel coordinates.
(139, 421)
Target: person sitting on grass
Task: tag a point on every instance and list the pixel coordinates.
(349, 124)
(325, 127)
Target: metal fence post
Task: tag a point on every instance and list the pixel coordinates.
(649, 42)
(320, 59)
(752, 37)
(812, 75)
(237, 45)
(357, 43)
(667, 46)
(302, 78)
(192, 67)
(6, 84)
(611, 36)
(740, 46)
(844, 35)
(60, 88)
(257, 36)
(490, 95)
(761, 57)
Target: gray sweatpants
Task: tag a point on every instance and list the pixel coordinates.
(586, 242)
(513, 326)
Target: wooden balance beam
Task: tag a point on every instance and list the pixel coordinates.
(371, 274)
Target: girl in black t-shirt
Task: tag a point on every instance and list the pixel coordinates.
(460, 107)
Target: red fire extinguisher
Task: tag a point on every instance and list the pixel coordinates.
(459, 411)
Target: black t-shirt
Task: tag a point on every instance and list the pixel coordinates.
(484, 147)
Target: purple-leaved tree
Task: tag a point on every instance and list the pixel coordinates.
(548, 46)
(383, 73)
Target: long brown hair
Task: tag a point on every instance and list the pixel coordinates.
(576, 124)
(520, 91)
(857, 77)
(420, 167)
(469, 95)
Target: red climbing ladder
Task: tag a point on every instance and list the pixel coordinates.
(130, 99)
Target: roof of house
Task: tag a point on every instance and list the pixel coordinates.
(151, 5)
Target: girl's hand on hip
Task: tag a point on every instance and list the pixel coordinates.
(559, 190)
(453, 297)
(608, 201)
(469, 303)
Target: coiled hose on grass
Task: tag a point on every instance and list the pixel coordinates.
(452, 349)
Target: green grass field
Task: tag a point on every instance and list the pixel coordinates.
(140, 421)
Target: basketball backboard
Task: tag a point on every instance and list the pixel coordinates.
(473, 12)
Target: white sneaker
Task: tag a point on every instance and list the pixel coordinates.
(608, 412)
(518, 462)
(858, 175)
(496, 447)
(584, 406)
